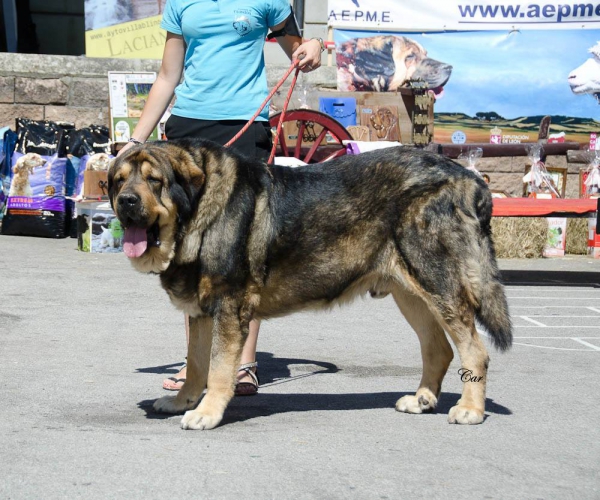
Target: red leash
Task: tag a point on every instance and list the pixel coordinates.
(285, 106)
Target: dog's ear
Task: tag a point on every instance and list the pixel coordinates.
(188, 185)
(188, 172)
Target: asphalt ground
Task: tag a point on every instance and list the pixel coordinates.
(85, 342)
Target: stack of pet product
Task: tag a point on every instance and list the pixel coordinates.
(98, 229)
(93, 154)
(90, 152)
(36, 198)
(539, 183)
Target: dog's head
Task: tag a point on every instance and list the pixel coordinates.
(388, 62)
(152, 189)
(26, 163)
(98, 161)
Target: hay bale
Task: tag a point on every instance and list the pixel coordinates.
(519, 237)
(577, 236)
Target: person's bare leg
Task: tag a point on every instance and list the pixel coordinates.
(174, 385)
(248, 356)
(249, 350)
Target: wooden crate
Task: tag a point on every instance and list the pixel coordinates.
(403, 99)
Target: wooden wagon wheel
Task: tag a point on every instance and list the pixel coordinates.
(306, 120)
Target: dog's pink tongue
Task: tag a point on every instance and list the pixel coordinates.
(135, 242)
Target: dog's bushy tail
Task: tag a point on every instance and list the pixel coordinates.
(492, 311)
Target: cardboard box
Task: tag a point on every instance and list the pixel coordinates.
(98, 229)
(95, 184)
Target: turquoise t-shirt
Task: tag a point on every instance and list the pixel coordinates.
(224, 67)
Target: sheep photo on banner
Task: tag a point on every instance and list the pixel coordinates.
(496, 68)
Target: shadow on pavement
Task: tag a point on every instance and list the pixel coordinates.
(550, 278)
(166, 369)
(264, 405)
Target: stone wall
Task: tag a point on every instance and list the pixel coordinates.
(75, 89)
(59, 88)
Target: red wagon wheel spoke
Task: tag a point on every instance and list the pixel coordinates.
(315, 152)
(315, 145)
(281, 142)
(298, 148)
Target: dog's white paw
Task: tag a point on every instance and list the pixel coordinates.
(169, 404)
(416, 404)
(197, 420)
(465, 415)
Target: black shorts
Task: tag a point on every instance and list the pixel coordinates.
(256, 142)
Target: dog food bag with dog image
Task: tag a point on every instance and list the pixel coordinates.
(36, 199)
(539, 183)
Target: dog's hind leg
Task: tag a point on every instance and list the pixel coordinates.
(474, 365)
(435, 351)
(198, 360)
(228, 340)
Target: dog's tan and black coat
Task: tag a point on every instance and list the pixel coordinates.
(234, 239)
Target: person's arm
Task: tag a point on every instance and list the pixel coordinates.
(308, 52)
(162, 90)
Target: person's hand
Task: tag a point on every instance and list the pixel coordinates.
(128, 145)
(309, 55)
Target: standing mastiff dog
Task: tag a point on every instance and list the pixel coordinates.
(235, 239)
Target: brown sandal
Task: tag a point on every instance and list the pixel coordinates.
(248, 388)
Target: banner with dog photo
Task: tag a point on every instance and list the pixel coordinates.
(124, 29)
(490, 86)
(460, 15)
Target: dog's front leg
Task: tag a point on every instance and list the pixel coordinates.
(198, 360)
(228, 340)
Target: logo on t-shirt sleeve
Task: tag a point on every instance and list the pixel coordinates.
(241, 22)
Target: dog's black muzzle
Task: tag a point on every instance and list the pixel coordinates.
(129, 209)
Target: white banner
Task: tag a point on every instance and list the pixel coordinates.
(462, 15)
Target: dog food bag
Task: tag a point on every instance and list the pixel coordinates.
(539, 183)
(8, 139)
(36, 198)
(592, 176)
(3, 170)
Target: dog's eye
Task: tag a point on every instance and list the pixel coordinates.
(155, 181)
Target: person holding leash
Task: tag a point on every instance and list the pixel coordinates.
(217, 45)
